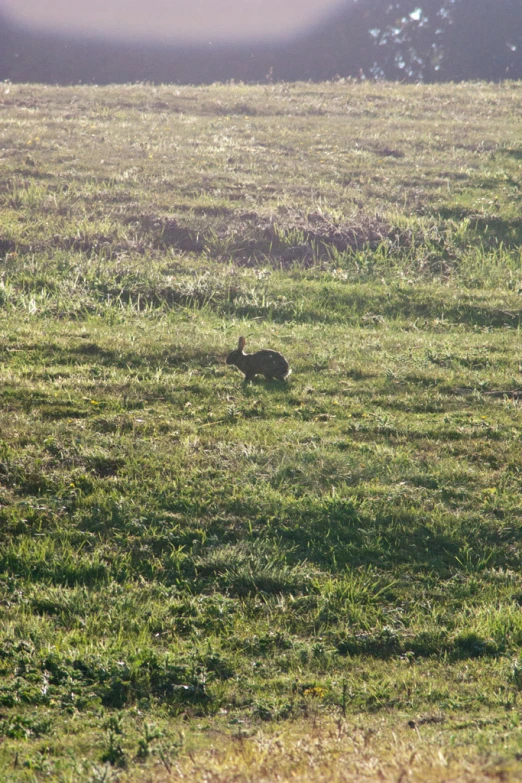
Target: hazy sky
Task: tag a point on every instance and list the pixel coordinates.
(200, 21)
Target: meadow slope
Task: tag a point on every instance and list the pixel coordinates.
(208, 580)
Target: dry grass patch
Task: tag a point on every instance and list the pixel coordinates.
(380, 750)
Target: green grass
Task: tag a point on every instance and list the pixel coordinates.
(192, 569)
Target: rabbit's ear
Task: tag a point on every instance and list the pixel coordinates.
(241, 343)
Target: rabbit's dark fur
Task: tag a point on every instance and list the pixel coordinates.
(269, 363)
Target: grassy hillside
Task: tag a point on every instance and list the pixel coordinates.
(202, 577)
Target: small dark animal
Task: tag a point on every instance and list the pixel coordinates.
(271, 364)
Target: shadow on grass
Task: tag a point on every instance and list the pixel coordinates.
(274, 386)
(516, 154)
(90, 353)
(20, 398)
(491, 229)
(343, 537)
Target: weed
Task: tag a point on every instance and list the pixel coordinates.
(114, 753)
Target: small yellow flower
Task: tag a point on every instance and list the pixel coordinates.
(316, 692)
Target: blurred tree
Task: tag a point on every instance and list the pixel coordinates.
(441, 40)
(410, 38)
(484, 41)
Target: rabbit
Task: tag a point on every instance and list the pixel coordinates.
(269, 363)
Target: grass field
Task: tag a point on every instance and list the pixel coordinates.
(207, 580)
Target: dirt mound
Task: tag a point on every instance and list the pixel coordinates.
(310, 238)
(249, 238)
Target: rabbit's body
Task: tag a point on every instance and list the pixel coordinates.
(269, 363)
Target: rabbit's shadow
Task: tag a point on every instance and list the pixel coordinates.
(272, 386)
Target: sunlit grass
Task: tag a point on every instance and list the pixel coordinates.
(319, 579)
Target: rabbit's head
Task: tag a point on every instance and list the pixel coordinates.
(235, 356)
